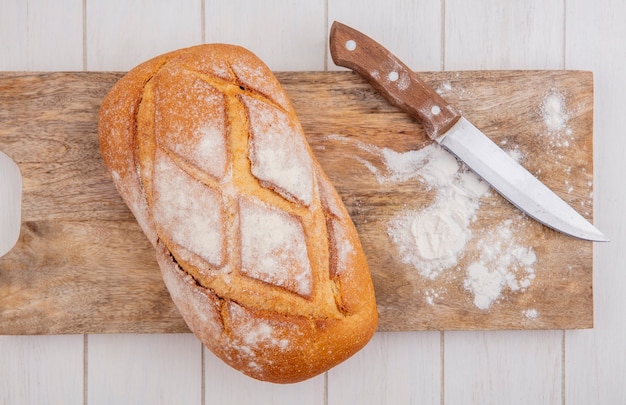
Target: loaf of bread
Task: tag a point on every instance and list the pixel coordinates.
(254, 244)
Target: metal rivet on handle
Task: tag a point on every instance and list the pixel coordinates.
(393, 76)
(351, 45)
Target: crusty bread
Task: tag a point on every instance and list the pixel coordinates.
(255, 246)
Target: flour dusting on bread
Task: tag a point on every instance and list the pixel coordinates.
(254, 244)
(273, 247)
(278, 152)
(190, 120)
(196, 224)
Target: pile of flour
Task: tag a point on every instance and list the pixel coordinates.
(433, 239)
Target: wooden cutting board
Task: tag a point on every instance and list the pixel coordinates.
(82, 264)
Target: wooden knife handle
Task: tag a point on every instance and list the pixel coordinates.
(392, 78)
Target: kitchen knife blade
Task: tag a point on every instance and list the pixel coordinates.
(444, 124)
(10, 203)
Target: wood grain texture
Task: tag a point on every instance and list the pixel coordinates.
(503, 367)
(595, 360)
(41, 369)
(223, 384)
(41, 36)
(395, 364)
(26, 39)
(400, 290)
(396, 368)
(69, 206)
(123, 33)
(594, 366)
(416, 36)
(406, 91)
(490, 34)
(80, 242)
(287, 35)
(144, 369)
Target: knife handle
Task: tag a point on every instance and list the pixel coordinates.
(392, 78)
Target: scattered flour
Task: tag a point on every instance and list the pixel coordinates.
(433, 239)
(555, 116)
(516, 154)
(531, 313)
(553, 111)
(502, 264)
(198, 221)
(273, 247)
(433, 295)
(204, 143)
(344, 250)
(444, 88)
(397, 167)
(252, 335)
(278, 152)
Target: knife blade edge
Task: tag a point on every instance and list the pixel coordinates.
(514, 182)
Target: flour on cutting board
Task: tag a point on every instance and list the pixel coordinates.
(434, 238)
(502, 264)
(555, 116)
(531, 313)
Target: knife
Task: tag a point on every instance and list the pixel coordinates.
(445, 125)
(10, 203)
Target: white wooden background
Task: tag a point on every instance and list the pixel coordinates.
(532, 367)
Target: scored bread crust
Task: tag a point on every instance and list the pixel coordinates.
(254, 244)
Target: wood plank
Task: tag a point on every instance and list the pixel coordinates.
(401, 293)
(225, 385)
(27, 42)
(287, 35)
(86, 289)
(41, 369)
(510, 367)
(144, 369)
(491, 34)
(416, 34)
(41, 35)
(396, 368)
(71, 207)
(123, 33)
(595, 360)
(503, 367)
